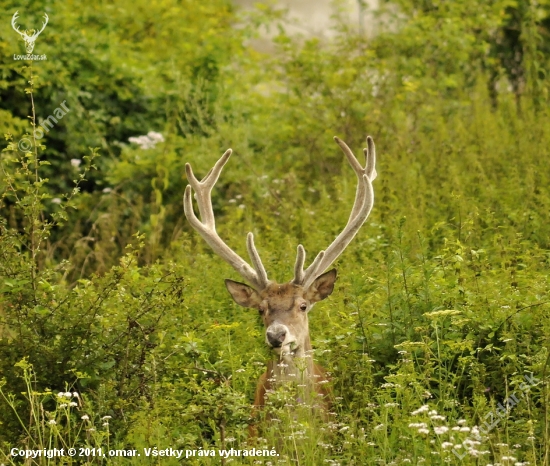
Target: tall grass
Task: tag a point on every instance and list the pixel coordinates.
(436, 335)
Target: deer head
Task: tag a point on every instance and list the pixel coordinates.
(284, 307)
(29, 39)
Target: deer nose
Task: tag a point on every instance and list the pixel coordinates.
(276, 337)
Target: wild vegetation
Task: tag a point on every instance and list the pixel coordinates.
(116, 331)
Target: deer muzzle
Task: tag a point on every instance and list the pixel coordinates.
(276, 334)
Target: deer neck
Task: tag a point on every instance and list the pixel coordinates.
(295, 366)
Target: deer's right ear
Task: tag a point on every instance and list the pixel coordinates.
(321, 287)
(243, 295)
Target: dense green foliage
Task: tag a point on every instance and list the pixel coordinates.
(442, 299)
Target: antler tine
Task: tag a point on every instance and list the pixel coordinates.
(359, 171)
(299, 265)
(364, 200)
(311, 272)
(206, 226)
(255, 258)
(203, 188)
(370, 159)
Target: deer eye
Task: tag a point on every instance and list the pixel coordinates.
(303, 306)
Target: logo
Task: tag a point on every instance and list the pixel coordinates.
(29, 39)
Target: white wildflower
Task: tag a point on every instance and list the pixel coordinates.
(76, 162)
(439, 430)
(420, 410)
(418, 425)
(85, 417)
(154, 136)
(52, 422)
(148, 141)
(56, 200)
(471, 443)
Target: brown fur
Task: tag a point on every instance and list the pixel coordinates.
(319, 375)
(284, 310)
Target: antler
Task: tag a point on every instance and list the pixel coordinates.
(43, 25)
(16, 29)
(206, 226)
(364, 200)
(24, 34)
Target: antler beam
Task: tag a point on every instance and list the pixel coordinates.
(364, 200)
(206, 226)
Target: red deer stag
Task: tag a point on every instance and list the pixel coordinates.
(283, 307)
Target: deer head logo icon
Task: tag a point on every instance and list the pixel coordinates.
(29, 39)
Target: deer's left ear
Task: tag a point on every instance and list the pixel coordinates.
(322, 287)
